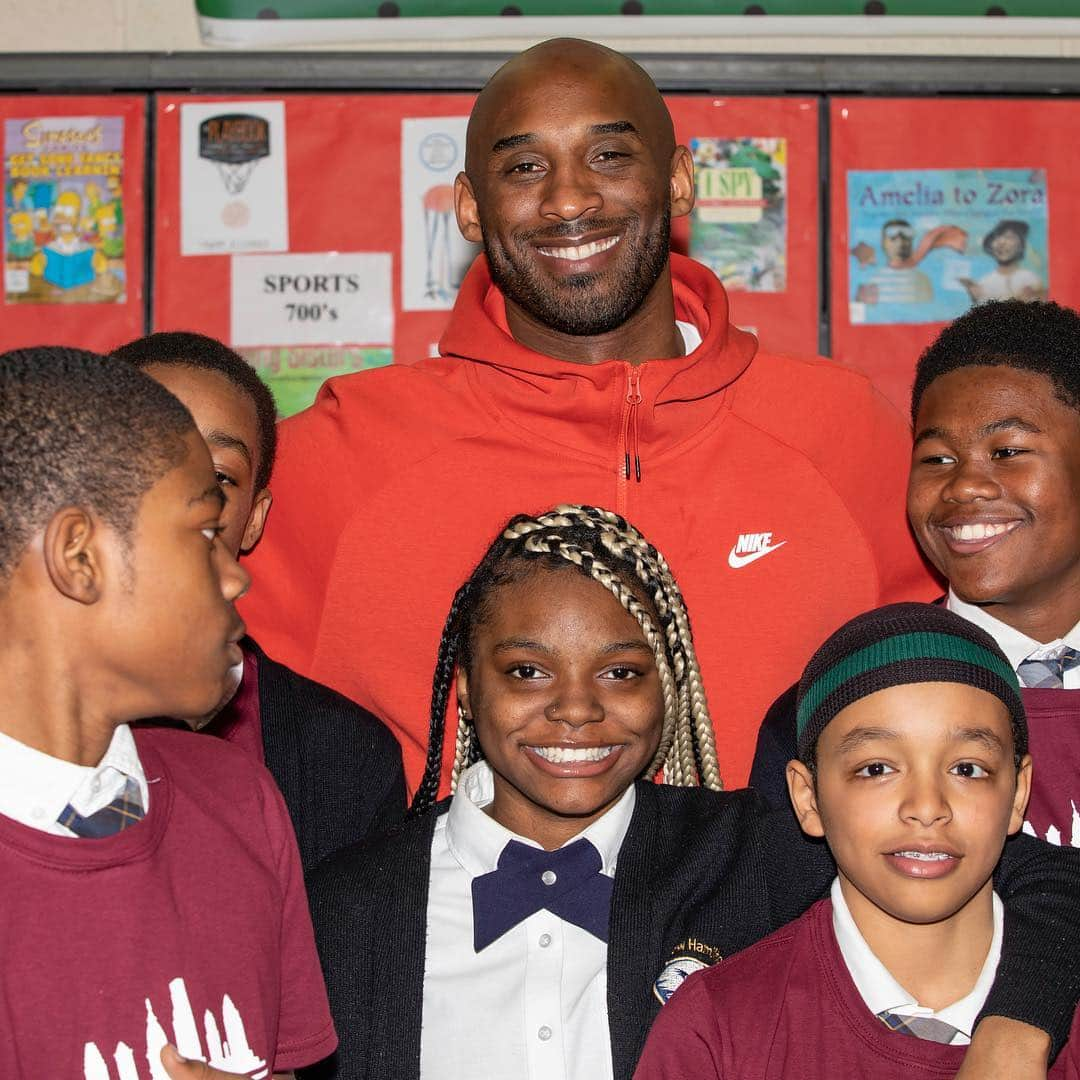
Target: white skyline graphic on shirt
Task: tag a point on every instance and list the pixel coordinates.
(1053, 833)
(231, 1053)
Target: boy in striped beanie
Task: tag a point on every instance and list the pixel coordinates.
(913, 767)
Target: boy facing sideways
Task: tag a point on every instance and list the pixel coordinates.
(154, 909)
(913, 766)
(338, 766)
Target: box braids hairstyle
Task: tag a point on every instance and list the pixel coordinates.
(608, 549)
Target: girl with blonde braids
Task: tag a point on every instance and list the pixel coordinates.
(533, 924)
(613, 553)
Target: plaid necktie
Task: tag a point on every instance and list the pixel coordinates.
(922, 1027)
(126, 809)
(1047, 674)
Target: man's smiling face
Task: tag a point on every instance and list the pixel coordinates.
(572, 178)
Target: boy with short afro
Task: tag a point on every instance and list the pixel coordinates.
(337, 765)
(154, 909)
(994, 500)
(913, 766)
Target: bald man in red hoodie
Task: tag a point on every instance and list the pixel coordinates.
(584, 363)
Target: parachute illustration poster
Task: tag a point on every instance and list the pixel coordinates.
(72, 224)
(937, 205)
(434, 254)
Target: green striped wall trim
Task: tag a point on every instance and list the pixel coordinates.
(368, 9)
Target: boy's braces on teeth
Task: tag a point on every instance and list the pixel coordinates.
(559, 755)
(925, 856)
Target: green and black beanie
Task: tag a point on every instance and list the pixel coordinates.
(895, 645)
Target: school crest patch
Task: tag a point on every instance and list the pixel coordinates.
(674, 974)
(687, 957)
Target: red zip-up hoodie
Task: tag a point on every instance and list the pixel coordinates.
(774, 486)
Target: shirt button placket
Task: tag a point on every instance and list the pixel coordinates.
(543, 997)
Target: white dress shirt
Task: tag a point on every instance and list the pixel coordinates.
(1017, 646)
(533, 1004)
(881, 992)
(35, 788)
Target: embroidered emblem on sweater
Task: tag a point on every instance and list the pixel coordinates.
(688, 956)
(674, 975)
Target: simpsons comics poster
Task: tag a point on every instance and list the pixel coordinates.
(64, 210)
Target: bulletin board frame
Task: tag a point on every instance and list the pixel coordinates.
(822, 77)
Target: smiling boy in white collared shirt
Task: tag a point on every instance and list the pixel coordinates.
(913, 766)
(994, 500)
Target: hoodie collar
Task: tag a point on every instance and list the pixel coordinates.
(538, 391)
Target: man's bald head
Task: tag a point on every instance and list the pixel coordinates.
(571, 179)
(567, 65)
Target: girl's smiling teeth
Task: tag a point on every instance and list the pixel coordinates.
(564, 755)
(583, 251)
(979, 530)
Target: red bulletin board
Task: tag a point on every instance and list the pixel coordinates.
(785, 320)
(344, 181)
(1013, 159)
(92, 297)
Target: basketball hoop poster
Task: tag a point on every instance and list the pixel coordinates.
(939, 204)
(72, 229)
(434, 254)
(233, 188)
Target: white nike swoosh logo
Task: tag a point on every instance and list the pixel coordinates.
(736, 561)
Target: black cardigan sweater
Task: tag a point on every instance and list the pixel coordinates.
(700, 873)
(338, 767)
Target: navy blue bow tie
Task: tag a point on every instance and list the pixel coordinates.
(567, 882)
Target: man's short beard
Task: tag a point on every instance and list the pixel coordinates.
(580, 306)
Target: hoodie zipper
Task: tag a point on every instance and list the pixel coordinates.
(631, 463)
